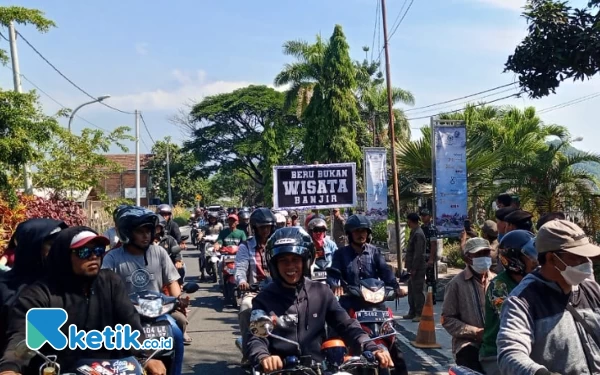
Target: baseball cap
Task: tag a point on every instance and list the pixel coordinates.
(82, 238)
(294, 214)
(233, 216)
(490, 228)
(517, 217)
(425, 212)
(566, 236)
(475, 245)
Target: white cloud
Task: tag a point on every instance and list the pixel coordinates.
(191, 86)
(515, 5)
(141, 48)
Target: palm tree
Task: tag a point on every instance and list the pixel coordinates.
(373, 100)
(552, 180)
(303, 75)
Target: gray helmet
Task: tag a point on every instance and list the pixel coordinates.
(164, 208)
(316, 223)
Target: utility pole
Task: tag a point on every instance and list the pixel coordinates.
(169, 174)
(392, 135)
(137, 158)
(14, 56)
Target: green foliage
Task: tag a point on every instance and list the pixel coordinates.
(184, 184)
(24, 131)
(180, 220)
(231, 133)
(562, 43)
(23, 16)
(332, 119)
(75, 162)
(380, 231)
(454, 255)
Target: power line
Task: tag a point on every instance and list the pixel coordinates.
(569, 103)
(375, 27)
(462, 97)
(67, 78)
(54, 100)
(146, 127)
(402, 19)
(462, 109)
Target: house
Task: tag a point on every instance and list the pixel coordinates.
(122, 185)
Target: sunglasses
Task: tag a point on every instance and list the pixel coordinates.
(318, 230)
(86, 252)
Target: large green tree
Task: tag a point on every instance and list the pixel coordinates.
(23, 16)
(76, 162)
(332, 120)
(247, 131)
(184, 182)
(563, 43)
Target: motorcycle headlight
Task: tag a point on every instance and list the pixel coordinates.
(151, 308)
(371, 296)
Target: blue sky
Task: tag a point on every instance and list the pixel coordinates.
(156, 56)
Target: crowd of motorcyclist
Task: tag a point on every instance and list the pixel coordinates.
(513, 322)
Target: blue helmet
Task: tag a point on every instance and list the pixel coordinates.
(514, 244)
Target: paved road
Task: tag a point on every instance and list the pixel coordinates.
(214, 329)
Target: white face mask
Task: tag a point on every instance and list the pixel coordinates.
(482, 265)
(574, 275)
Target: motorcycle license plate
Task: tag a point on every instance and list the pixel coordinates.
(371, 316)
(157, 331)
(124, 366)
(319, 275)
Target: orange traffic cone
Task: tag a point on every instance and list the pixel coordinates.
(426, 332)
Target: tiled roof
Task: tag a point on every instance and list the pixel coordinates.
(127, 161)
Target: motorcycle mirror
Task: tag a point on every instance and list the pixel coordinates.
(261, 324)
(184, 238)
(190, 287)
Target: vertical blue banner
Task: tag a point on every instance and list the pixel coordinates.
(450, 181)
(376, 187)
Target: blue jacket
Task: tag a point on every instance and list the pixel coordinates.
(370, 264)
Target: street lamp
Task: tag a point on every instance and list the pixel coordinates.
(97, 100)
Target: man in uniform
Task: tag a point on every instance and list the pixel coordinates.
(431, 237)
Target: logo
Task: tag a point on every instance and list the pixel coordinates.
(140, 278)
(43, 326)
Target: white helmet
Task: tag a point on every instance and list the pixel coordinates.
(279, 218)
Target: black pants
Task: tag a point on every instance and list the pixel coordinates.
(431, 276)
(202, 258)
(469, 357)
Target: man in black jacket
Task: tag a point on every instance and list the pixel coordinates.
(92, 298)
(305, 305)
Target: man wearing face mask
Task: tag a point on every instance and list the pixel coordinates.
(554, 310)
(463, 314)
(519, 258)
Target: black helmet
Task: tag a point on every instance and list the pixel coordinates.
(213, 214)
(244, 215)
(355, 222)
(117, 210)
(262, 217)
(164, 208)
(131, 217)
(289, 240)
(513, 245)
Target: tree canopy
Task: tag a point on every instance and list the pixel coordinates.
(563, 43)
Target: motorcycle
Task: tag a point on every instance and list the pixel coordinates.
(127, 365)
(336, 361)
(195, 229)
(319, 270)
(227, 263)
(376, 321)
(255, 289)
(211, 255)
(155, 314)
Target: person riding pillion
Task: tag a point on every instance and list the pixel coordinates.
(212, 228)
(172, 228)
(324, 247)
(142, 265)
(251, 264)
(169, 243)
(305, 305)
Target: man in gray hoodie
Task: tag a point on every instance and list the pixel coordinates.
(550, 323)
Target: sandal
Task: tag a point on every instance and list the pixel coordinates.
(187, 340)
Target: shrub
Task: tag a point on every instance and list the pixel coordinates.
(454, 255)
(30, 207)
(380, 231)
(180, 221)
